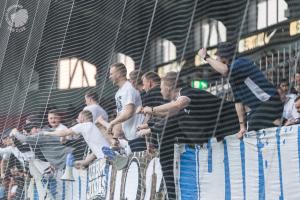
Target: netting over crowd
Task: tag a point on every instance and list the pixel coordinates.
(86, 82)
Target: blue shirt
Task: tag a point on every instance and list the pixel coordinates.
(248, 83)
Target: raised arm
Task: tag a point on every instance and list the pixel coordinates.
(168, 108)
(31, 140)
(217, 65)
(61, 133)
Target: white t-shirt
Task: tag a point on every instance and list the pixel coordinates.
(97, 111)
(60, 127)
(126, 95)
(290, 111)
(93, 137)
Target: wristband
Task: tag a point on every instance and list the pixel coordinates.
(206, 56)
(241, 122)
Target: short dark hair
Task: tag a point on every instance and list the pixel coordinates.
(54, 111)
(92, 94)
(33, 117)
(121, 68)
(27, 128)
(136, 76)
(152, 76)
(284, 81)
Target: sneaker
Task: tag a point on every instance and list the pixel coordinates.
(119, 161)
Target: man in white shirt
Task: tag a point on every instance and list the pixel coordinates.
(295, 119)
(127, 100)
(91, 134)
(289, 111)
(91, 99)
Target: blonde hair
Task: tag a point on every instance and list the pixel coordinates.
(87, 115)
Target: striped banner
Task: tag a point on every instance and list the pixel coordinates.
(141, 179)
(76, 190)
(264, 165)
(60, 189)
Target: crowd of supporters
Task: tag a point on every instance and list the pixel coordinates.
(152, 113)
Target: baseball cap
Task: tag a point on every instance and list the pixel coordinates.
(226, 50)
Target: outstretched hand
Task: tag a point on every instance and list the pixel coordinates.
(142, 126)
(80, 164)
(139, 110)
(110, 128)
(144, 132)
(147, 110)
(202, 53)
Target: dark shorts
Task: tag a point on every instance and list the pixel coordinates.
(265, 114)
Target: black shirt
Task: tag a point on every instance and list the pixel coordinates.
(200, 116)
(153, 97)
